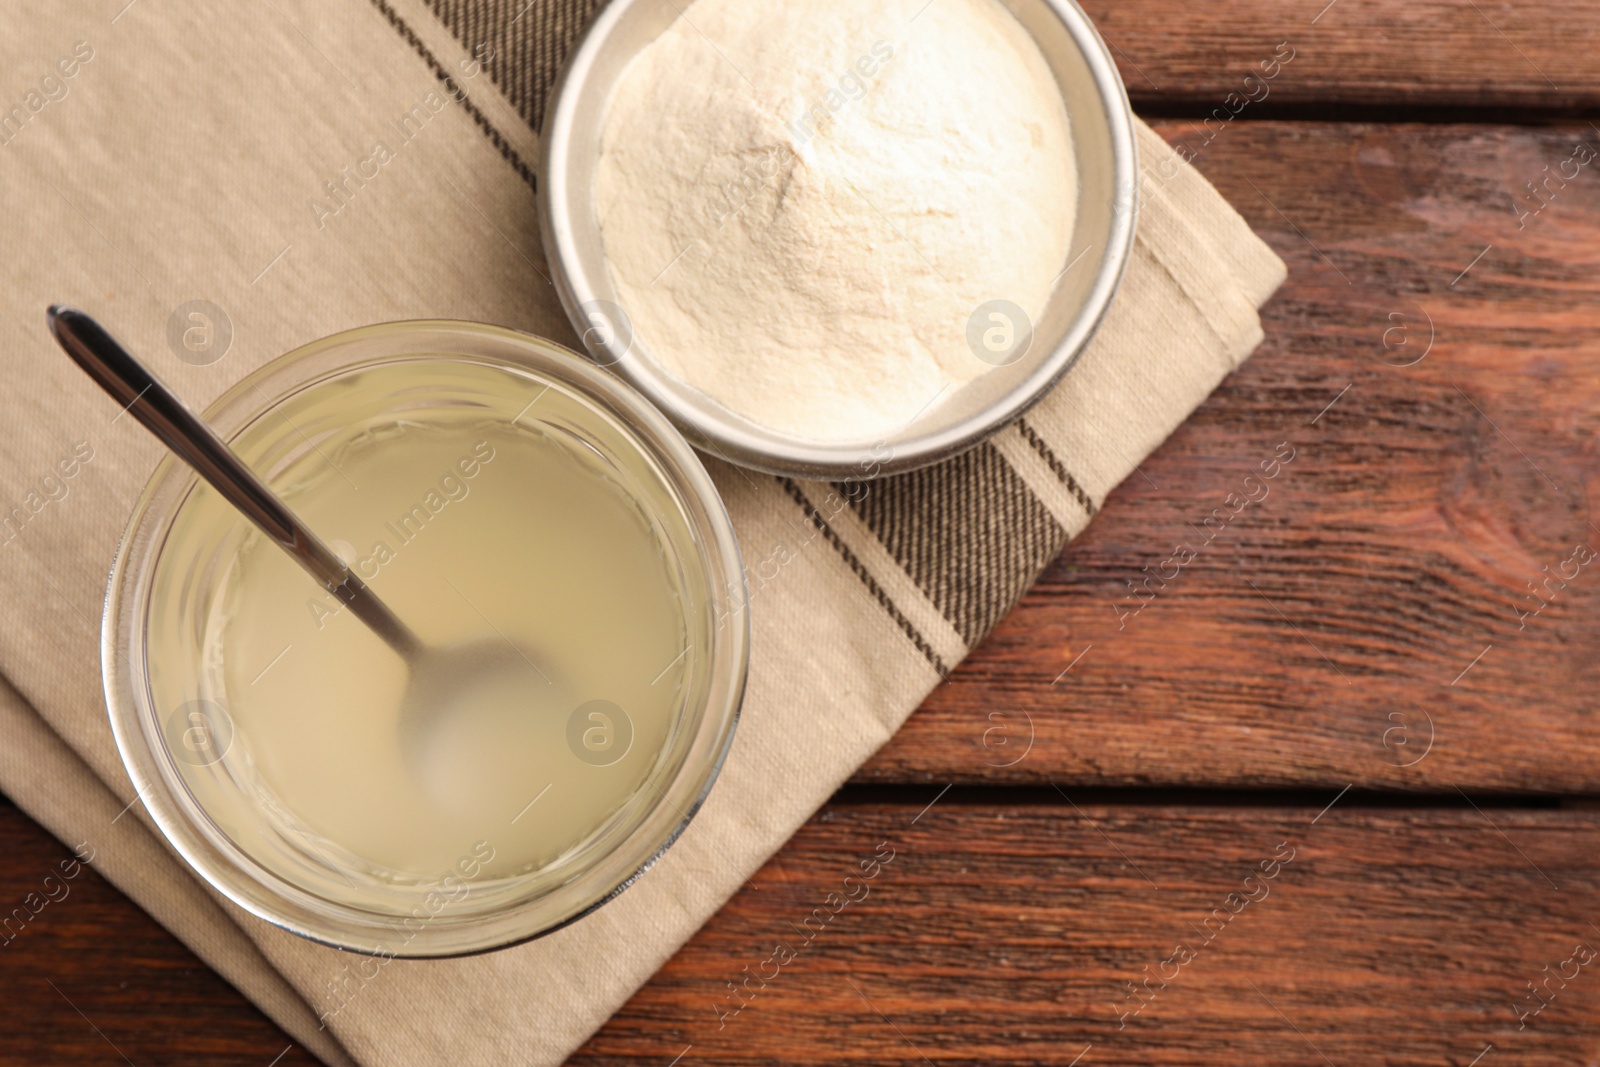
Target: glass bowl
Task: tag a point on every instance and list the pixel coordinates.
(172, 611)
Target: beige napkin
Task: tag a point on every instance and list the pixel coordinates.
(184, 157)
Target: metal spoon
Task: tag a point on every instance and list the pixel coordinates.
(143, 396)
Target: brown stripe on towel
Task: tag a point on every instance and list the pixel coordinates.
(1048, 454)
(496, 138)
(530, 38)
(968, 531)
(860, 571)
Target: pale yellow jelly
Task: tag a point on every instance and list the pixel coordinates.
(473, 529)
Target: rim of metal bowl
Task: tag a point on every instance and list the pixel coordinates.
(723, 435)
(268, 894)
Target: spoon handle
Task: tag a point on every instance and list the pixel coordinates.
(143, 396)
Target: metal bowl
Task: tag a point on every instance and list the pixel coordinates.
(1102, 133)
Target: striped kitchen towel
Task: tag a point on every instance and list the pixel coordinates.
(153, 154)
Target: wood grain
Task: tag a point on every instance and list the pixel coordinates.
(1325, 634)
(92, 980)
(1006, 933)
(1528, 57)
(1000, 931)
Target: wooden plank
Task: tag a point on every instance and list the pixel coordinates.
(1007, 933)
(1369, 603)
(998, 932)
(91, 980)
(1375, 53)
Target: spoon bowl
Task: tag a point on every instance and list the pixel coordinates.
(473, 709)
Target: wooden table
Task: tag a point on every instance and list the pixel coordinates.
(1328, 798)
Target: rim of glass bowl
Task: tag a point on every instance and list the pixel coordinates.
(264, 893)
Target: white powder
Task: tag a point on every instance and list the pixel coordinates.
(804, 203)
